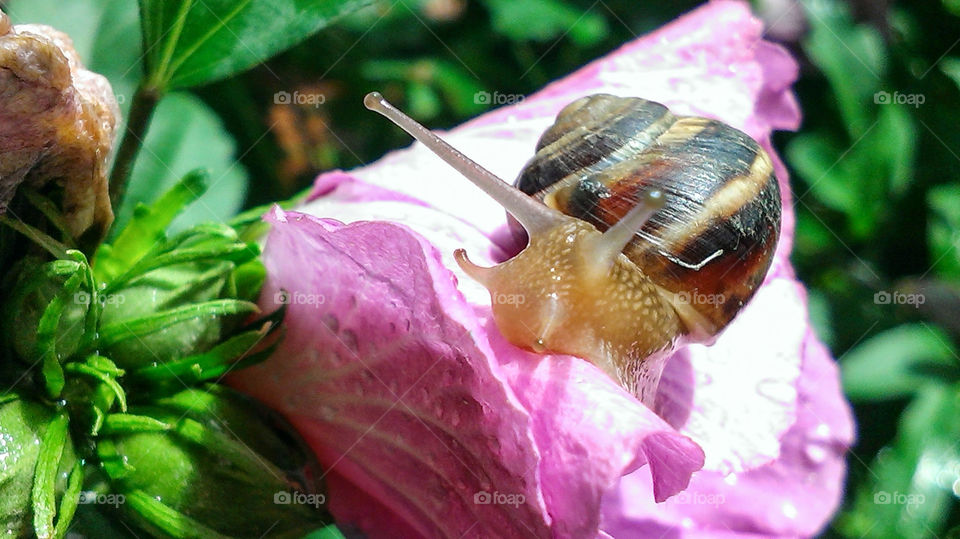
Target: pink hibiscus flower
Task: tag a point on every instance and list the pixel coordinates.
(429, 424)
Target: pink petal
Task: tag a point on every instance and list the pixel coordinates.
(590, 433)
(383, 375)
(389, 376)
(486, 416)
(792, 496)
(710, 62)
(737, 397)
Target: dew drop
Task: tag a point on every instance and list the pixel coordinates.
(789, 510)
(815, 453)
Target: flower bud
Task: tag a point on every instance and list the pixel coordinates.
(24, 429)
(206, 459)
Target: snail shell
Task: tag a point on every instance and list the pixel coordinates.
(713, 241)
(645, 229)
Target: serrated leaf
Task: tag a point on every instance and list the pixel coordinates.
(892, 364)
(191, 42)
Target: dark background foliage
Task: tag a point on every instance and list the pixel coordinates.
(874, 169)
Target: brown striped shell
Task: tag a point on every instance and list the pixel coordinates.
(712, 242)
(654, 229)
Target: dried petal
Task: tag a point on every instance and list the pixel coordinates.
(57, 124)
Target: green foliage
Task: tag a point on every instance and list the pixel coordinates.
(40, 478)
(165, 308)
(909, 491)
(874, 169)
(177, 460)
(877, 164)
(541, 20)
(189, 42)
(174, 146)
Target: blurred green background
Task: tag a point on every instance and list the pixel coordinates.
(874, 171)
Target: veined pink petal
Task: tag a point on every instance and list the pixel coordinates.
(416, 421)
(793, 496)
(391, 379)
(711, 62)
(382, 373)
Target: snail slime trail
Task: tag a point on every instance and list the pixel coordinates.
(646, 230)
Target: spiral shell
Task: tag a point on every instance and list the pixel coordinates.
(713, 242)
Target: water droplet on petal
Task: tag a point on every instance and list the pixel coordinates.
(815, 452)
(789, 510)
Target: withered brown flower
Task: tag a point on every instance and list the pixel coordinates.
(57, 125)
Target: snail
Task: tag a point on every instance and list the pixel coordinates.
(645, 231)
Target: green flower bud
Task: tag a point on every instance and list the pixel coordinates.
(178, 300)
(55, 307)
(205, 462)
(40, 476)
(30, 296)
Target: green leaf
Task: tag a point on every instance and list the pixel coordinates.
(542, 20)
(170, 521)
(192, 42)
(216, 362)
(22, 425)
(851, 56)
(102, 377)
(951, 67)
(135, 328)
(944, 240)
(330, 532)
(185, 134)
(910, 490)
(49, 334)
(68, 504)
(893, 363)
(45, 476)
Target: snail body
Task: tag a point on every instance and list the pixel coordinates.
(645, 230)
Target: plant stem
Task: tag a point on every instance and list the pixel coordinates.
(141, 110)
